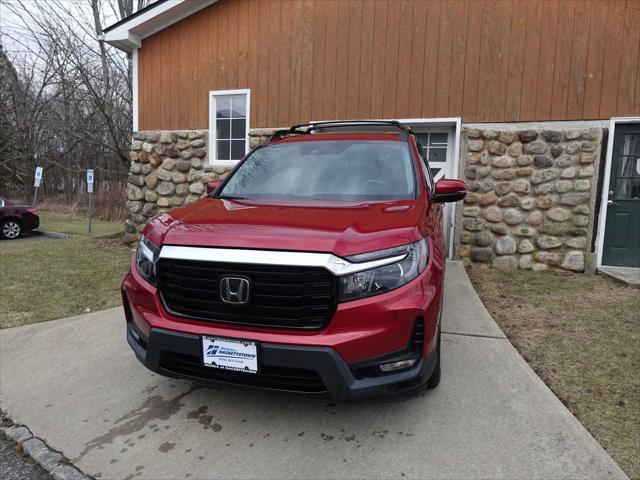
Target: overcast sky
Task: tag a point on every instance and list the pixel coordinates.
(11, 24)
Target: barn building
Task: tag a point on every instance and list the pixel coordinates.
(535, 104)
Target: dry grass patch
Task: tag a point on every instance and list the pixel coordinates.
(48, 279)
(73, 224)
(581, 334)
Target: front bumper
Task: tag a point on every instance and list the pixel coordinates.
(361, 334)
(311, 370)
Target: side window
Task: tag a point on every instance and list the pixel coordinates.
(229, 126)
(434, 147)
(425, 167)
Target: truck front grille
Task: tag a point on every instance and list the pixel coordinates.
(280, 296)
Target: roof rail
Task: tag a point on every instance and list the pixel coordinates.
(309, 127)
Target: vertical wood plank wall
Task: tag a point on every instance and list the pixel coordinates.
(483, 60)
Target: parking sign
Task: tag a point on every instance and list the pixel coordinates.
(90, 180)
(38, 177)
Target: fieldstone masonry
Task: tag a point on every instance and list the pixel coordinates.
(170, 169)
(530, 199)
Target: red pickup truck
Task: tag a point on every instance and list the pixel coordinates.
(316, 266)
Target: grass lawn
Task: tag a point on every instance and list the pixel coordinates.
(74, 225)
(581, 334)
(48, 279)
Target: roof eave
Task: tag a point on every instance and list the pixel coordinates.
(128, 34)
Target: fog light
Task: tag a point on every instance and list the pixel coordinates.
(399, 365)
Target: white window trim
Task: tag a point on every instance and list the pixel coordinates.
(211, 153)
(602, 218)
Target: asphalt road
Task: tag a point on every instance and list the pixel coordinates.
(15, 466)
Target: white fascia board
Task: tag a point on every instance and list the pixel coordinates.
(130, 34)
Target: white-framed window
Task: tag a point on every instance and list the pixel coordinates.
(228, 125)
(436, 146)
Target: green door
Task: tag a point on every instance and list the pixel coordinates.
(622, 232)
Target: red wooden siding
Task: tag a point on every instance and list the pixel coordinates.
(483, 60)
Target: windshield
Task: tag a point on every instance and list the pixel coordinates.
(326, 170)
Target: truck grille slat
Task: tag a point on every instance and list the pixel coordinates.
(280, 296)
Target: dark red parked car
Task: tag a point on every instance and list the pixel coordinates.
(16, 219)
(316, 266)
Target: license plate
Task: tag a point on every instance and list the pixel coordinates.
(230, 354)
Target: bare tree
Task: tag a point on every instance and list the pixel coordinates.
(66, 101)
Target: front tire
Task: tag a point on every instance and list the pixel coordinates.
(434, 379)
(11, 229)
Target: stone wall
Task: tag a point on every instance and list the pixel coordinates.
(169, 169)
(531, 197)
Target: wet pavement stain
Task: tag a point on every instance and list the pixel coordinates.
(205, 420)
(199, 412)
(326, 438)
(153, 408)
(166, 446)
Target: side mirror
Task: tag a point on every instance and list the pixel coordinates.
(449, 191)
(212, 186)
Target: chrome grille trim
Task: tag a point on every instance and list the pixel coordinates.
(336, 265)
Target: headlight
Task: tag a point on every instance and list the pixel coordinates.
(388, 277)
(146, 257)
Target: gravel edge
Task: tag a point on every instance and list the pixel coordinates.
(51, 460)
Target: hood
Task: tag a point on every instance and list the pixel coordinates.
(342, 229)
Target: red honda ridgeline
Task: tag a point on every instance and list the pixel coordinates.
(316, 266)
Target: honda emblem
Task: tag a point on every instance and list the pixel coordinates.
(234, 290)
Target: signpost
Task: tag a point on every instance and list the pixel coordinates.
(36, 183)
(90, 192)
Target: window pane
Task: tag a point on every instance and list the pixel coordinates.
(223, 107)
(223, 129)
(437, 155)
(239, 104)
(438, 139)
(223, 150)
(237, 149)
(434, 172)
(238, 128)
(423, 138)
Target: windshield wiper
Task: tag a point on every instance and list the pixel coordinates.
(230, 197)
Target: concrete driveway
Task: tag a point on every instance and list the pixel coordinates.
(75, 383)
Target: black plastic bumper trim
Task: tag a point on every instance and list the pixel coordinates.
(334, 371)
